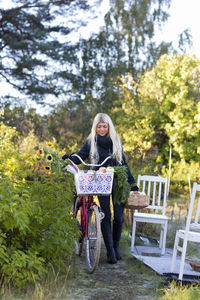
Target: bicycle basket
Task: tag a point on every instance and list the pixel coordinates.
(93, 182)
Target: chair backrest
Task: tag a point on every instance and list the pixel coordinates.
(156, 188)
(194, 208)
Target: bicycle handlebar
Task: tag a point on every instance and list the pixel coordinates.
(91, 165)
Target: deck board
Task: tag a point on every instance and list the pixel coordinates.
(151, 257)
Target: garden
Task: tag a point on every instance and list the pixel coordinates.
(38, 231)
(55, 80)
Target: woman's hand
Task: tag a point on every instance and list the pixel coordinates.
(66, 156)
(134, 188)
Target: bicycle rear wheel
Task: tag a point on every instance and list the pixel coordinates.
(93, 242)
(80, 241)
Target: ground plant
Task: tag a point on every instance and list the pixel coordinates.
(37, 228)
(177, 292)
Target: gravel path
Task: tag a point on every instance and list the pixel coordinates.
(127, 280)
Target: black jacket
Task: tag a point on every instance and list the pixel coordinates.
(105, 148)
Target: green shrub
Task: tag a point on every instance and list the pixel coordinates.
(181, 292)
(36, 227)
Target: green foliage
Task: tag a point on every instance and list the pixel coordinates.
(67, 125)
(37, 228)
(23, 267)
(181, 292)
(26, 121)
(54, 162)
(181, 173)
(121, 187)
(83, 75)
(124, 44)
(8, 153)
(22, 64)
(162, 111)
(169, 97)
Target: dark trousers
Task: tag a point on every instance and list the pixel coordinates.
(111, 232)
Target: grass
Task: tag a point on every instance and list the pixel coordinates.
(129, 279)
(177, 292)
(146, 280)
(54, 287)
(174, 291)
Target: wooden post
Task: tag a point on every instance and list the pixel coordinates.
(170, 161)
(179, 215)
(189, 184)
(186, 215)
(172, 214)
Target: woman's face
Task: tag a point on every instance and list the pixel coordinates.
(102, 129)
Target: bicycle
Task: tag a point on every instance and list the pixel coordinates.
(87, 212)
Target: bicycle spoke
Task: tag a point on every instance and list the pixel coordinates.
(93, 243)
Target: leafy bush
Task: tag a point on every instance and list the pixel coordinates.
(8, 153)
(36, 228)
(181, 171)
(162, 111)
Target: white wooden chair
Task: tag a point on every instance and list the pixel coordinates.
(190, 232)
(156, 188)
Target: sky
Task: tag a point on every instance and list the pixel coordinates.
(183, 14)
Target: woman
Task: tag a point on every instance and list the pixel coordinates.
(102, 142)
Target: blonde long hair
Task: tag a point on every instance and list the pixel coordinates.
(117, 146)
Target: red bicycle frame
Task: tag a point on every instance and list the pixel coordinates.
(84, 205)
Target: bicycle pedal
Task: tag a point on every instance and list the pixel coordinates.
(80, 239)
(102, 215)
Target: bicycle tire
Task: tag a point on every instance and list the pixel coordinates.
(80, 241)
(93, 240)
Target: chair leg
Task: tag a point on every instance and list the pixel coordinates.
(182, 259)
(176, 242)
(164, 235)
(133, 235)
(161, 237)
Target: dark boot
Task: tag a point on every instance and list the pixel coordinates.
(106, 229)
(108, 241)
(111, 256)
(117, 230)
(117, 250)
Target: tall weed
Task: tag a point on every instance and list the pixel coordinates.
(177, 292)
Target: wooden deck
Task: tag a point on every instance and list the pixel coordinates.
(151, 256)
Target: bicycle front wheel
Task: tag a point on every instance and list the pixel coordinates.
(93, 242)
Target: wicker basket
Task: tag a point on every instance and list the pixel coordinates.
(137, 200)
(195, 266)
